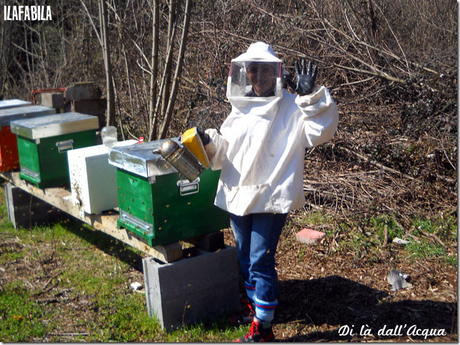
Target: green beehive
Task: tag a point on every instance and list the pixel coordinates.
(43, 143)
(157, 204)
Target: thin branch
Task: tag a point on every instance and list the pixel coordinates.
(374, 73)
(143, 56)
(92, 23)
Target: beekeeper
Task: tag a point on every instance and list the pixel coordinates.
(260, 150)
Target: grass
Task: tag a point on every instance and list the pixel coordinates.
(114, 312)
(433, 238)
(120, 315)
(95, 272)
(19, 314)
(366, 238)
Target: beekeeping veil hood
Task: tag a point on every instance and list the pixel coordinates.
(267, 70)
(248, 125)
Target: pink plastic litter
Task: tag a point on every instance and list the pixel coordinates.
(310, 236)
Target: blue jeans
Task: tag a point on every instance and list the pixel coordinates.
(256, 237)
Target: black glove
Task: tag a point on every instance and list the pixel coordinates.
(205, 139)
(305, 80)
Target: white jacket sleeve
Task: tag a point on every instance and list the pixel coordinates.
(320, 117)
(216, 148)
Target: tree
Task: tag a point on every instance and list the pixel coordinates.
(166, 95)
(103, 19)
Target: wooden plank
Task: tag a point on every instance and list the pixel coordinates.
(107, 222)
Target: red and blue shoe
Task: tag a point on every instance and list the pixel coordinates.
(258, 333)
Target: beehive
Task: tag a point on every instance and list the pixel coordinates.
(13, 103)
(157, 204)
(93, 180)
(9, 159)
(43, 143)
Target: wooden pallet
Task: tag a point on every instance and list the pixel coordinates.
(107, 222)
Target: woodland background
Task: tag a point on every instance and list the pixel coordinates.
(390, 171)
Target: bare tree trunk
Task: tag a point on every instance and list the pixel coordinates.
(107, 64)
(167, 81)
(163, 92)
(153, 77)
(4, 57)
(180, 59)
(166, 74)
(29, 67)
(373, 21)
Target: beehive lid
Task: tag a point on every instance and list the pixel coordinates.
(139, 159)
(98, 150)
(13, 103)
(54, 125)
(12, 114)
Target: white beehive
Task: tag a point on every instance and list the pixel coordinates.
(13, 103)
(92, 179)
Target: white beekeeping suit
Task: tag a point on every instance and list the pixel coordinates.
(261, 145)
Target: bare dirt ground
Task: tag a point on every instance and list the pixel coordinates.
(321, 293)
